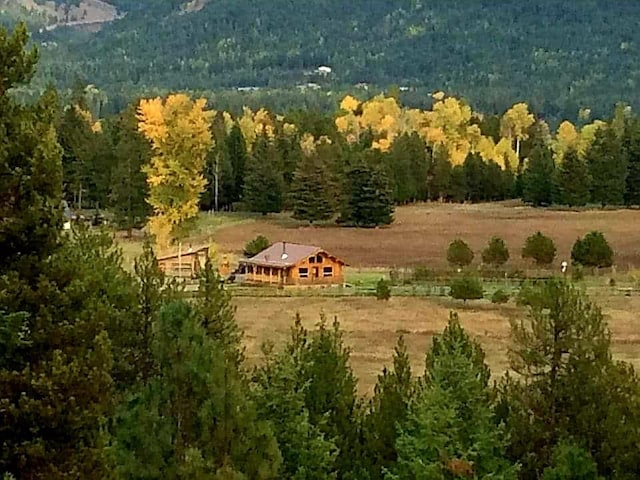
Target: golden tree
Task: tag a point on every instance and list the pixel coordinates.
(179, 131)
(515, 124)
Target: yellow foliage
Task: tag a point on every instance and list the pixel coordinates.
(516, 121)
(588, 135)
(566, 139)
(349, 104)
(97, 127)
(179, 131)
(382, 144)
(505, 155)
(289, 129)
(439, 96)
(308, 144)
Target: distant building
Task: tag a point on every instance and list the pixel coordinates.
(324, 70)
(184, 264)
(292, 264)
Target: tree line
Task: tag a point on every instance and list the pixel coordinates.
(352, 168)
(106, 373)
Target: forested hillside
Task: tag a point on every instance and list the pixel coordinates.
(558, 56)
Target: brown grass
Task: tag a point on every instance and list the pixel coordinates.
(421, 233)
(371, 327)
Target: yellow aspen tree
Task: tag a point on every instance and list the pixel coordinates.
(587, 136)
(515, 123)
(567, 138)
(447, 126)
(179, 131)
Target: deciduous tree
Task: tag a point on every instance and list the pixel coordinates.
(179, 131)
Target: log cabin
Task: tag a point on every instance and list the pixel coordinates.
(285, 264)
(184, 264)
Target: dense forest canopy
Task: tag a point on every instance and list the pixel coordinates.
(558, 56)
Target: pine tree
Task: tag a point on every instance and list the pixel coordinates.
(451, 430)
(30, 168)
(475, 178)
(537, 178)
(631, 149)
(561, 354)
(367, 198)
(263, 182)
(330, 396)
(236, 154)
(311, 191)
(388, 409)
(439, 177)
(195, 417)
(607, 168)
(407, 168)
(82, 343)
(213, 305)
(573, 181)
(306, 452)
(129, 188)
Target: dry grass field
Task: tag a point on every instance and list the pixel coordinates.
(420, 236)
(421, 233)
(372, 327)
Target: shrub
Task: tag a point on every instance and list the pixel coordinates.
(422, 274)
(466, 288)
(459, 254)
(577, 273)
(496, 253)
(592, 251)
(540, 249)
(383, 289)
(500, 297)
(255, 246)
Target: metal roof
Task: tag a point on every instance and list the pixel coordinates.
(284, 254)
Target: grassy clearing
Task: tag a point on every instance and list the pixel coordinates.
(421, 233)
(372, 327)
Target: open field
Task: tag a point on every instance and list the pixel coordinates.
(421, 233)
(372, 327)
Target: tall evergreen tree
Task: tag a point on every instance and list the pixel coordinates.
(537, 177)
(439, 176)
(281, 398)
(572, 181)
(236, 158)
(631, 149)
(407, 169)
(263, 183)
(387, 410)
(311, 193)
(30, 171)
(367, 197)
(562, 358)
(195, 418)
(475, 178)
(451, 430)
(129, 187)
(330, 396)
(607, 168)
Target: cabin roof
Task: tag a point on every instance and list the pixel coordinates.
(285, 254)
(186, 253)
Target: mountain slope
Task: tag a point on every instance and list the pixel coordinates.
(560, 56)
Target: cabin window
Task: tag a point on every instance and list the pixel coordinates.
(319, 259)
(327, 271)
(267, 271)
(259, 271)
(304, 272)
(312, 259)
